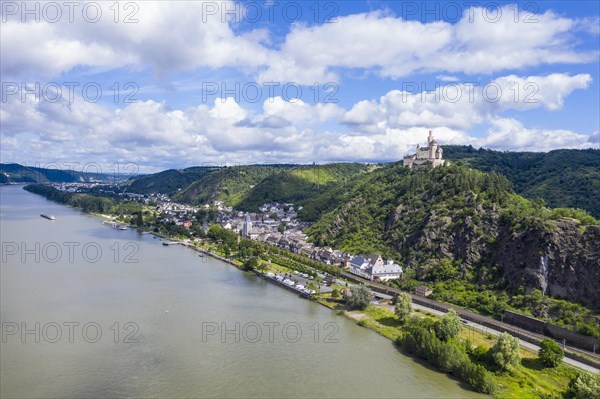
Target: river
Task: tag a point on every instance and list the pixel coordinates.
(91, 311)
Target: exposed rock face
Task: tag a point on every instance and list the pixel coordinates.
(557, 257)
(573, 259)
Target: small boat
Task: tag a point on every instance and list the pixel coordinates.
(49, 217)
(115, 225)
(166, 243)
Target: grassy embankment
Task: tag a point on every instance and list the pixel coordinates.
(528, 380)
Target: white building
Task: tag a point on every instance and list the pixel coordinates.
(374, 268)
(389, 271)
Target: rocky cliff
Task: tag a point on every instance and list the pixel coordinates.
(563, 260)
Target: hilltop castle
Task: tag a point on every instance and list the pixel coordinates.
(430, 155)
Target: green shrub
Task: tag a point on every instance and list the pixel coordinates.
(448, 326)
(403, 307)
(358, 297)
(447, 356)
(585, 386)
(550, 353)
(505, 352)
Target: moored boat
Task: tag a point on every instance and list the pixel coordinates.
(115, 225)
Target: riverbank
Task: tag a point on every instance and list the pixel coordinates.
(528, 380)
(384, 325)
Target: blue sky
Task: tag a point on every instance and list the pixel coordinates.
(283, 81)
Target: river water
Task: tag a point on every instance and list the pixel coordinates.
(90, 311)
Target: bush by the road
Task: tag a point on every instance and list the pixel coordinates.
(550, 353)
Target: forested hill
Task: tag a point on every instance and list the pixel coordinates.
(16, 173)
(317, 188)
(489, 234)
(562, 178)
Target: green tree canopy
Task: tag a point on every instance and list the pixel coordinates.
(448, 326)
(506, 351)
(550, 353)
(403, 307)
(585, 386)
(251, 263)
(358, 297)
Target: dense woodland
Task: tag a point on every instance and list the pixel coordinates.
(562, 178)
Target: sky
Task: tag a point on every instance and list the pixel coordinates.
(162, 85)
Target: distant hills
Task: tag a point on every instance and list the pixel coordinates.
(562, 178)
(16, 173)
(317, 188)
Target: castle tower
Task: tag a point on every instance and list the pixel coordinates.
(431, 145)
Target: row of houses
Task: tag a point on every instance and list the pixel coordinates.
(370, 267)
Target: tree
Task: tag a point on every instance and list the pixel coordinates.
(448, 326)
(550, 353)
(139, 219)
(445, 270)
(281, 228)
(506, 351)
(403, 307)
(251, 264)
(358, 297)
(261, 266)
(335, 293)
(585, 386)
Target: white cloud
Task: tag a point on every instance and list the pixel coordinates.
(535, 91)
(300, 112)
(393, 47)
(509, 134)
(176, 36)
(461, 106)
(447, 78)
(168, 36)
(152, 134)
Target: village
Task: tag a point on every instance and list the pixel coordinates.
(274, 225)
